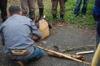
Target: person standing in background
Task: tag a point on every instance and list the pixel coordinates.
(28, 8)
(3, 7)
(54, 8)
(96, 15)
(29, 5)
(78, 6)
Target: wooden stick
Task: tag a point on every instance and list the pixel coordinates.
(62, 55)
(20, 63)
(85, 52)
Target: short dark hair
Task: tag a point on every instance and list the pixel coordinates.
(14, 9)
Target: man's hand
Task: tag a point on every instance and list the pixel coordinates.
(36, 38)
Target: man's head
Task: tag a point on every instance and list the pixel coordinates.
(15, 10)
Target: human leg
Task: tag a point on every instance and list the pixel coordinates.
(54, 8)
(77, 7)
(24, 5)
(84, 8)
(62, 9)
(97, 19)
(3, 7)
(41, 8)
(31, 4)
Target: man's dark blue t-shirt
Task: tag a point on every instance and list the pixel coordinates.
(97, 3)
(96, 9)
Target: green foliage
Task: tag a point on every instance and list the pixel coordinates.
(81, 21)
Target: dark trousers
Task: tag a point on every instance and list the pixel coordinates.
(78, 6)
(41, 7)
(28, 8)
(55, 4)
(97, 19)
(40, 3)
(3, 7)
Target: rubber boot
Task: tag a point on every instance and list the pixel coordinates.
(62, 17)
(32, 15)
(41, 12)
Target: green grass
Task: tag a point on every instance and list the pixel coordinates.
(80, 21)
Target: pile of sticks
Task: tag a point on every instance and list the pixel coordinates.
(78, 58)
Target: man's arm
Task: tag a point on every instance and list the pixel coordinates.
(35, 32)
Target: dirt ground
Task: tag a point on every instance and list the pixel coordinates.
(66, 37)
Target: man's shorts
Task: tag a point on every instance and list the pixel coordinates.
(35, 54)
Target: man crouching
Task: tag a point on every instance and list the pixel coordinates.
(19, 34)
